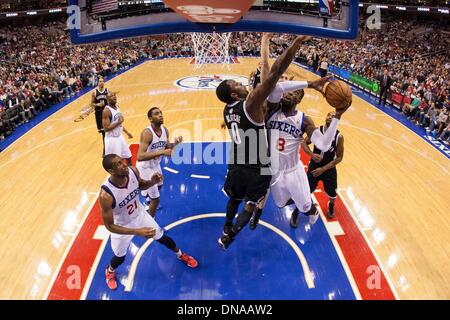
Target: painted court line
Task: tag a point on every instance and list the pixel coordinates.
(339, 252)
(304, 263)
(335, 228)
(377, 258)
(66, 252)
(100, 234)
(170, 170)
(199, 176)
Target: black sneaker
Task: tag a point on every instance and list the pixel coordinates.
(330, 210)
(254, 222)
(225, 241)
(293, 221)
(227, 229)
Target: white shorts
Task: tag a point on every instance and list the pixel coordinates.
(117, 145)
(294, 185)
(146, 174)
(121, 242)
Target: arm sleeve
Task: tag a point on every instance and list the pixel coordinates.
(285, 86)
(323, 141)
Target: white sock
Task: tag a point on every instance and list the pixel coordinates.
(179, 253)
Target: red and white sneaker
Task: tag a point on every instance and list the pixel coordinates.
(111, 279)
(188, 260)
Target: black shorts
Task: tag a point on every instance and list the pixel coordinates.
(244, 183)
(98, 118)
(328, 178)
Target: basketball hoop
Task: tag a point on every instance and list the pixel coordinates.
(211, 48)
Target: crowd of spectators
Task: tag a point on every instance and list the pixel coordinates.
(416, 58)
(431, 3)
(23, 5)
(39, 66)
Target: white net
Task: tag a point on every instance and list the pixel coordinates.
(211, 48)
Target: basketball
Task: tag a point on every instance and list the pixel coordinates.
(338, 94)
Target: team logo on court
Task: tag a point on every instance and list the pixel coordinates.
(208, 82)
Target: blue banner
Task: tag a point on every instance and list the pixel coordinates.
(340, 72)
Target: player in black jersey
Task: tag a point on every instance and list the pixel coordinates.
(98, 103)
(322, 166)
(248, 175)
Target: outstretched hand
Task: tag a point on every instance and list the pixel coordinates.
(340, 112)
(319, 84)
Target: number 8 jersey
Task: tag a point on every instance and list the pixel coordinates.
(249, 137)
(126, 205)
(285, 137)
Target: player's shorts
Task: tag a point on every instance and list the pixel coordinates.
(146, 174)
(121, 242)
(291, 184)
(244, 183)
(329, 179)
(117, 145)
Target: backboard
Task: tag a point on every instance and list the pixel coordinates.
(102, 20)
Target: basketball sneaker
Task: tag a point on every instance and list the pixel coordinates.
(188, 260)
(225, 241)
(330, 210)
(111, 279)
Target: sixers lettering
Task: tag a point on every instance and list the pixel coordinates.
(153, 145)
(289, 181)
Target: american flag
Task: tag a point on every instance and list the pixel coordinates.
(99, 6)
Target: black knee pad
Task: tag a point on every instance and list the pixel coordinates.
(168, 242)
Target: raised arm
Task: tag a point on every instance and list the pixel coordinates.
(320, 140)
(265, 52)
(254, 104)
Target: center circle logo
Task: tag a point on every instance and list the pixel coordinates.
(208, 82)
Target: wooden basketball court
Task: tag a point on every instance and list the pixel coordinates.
(393, 182)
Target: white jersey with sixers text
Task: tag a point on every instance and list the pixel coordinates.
(126, 205)
(157, 143)
(285, 136)
(115, 115)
